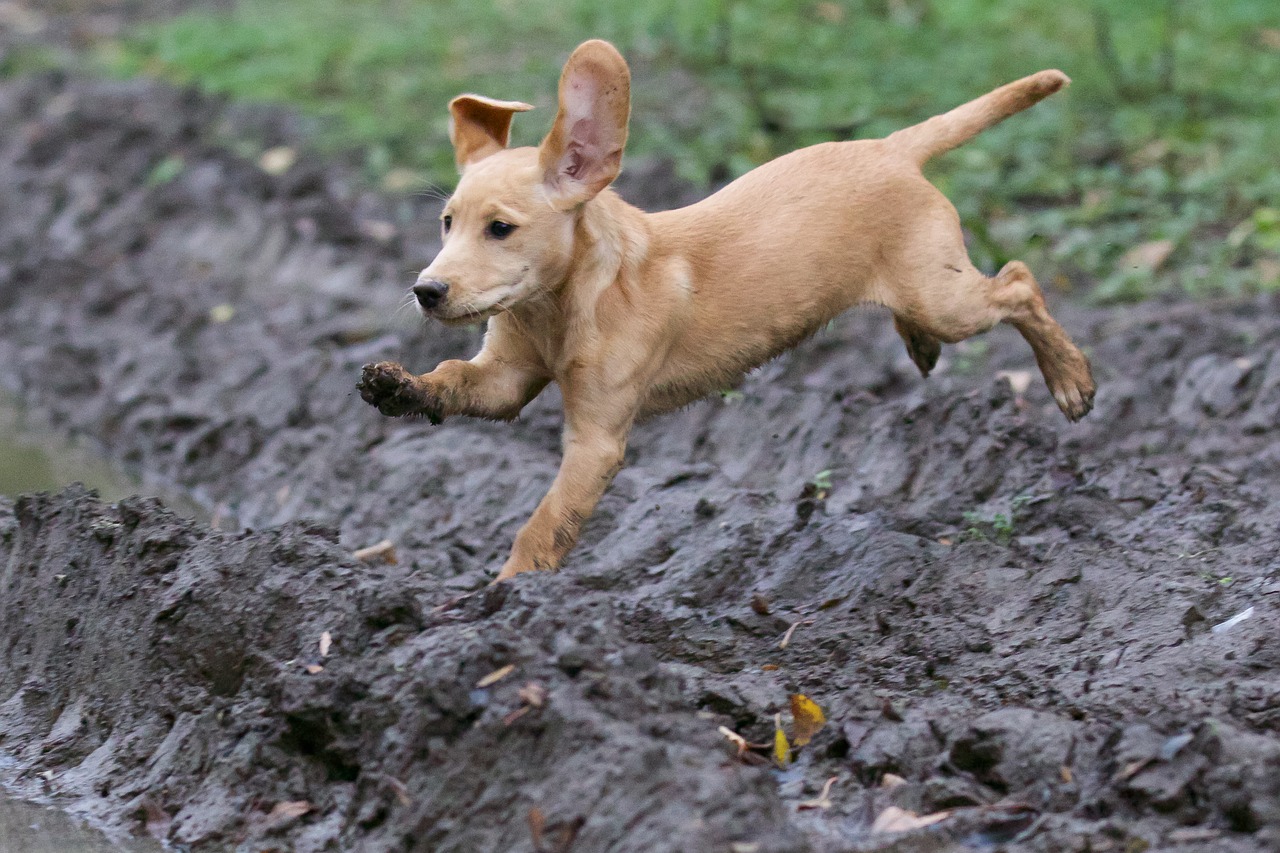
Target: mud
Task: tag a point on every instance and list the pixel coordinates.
(1032, 625)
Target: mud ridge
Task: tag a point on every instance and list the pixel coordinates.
(1033, 625)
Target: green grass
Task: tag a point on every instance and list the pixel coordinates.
(1168, 133)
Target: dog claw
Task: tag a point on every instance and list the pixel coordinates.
(395, 392)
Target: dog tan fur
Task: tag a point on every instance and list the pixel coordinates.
(633, 314)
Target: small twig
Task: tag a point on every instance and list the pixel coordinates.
(823, 800)
(786, 638)
(384, 551)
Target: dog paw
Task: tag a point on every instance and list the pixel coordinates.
(395, 392)
(1074, 395)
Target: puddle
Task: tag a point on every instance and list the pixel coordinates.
(34, 458)
(42, 829)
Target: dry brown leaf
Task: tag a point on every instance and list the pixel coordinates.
(891, 780)
(313, 668)
(512, 716)
(537, 825)
(808, 719)
(894, 819)
(769, 667)
(1066, 774)
(496, 676)
(326, 642)
(760, 604)
(384, 551)
(1270, 37)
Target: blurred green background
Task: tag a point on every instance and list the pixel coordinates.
(1156, 171)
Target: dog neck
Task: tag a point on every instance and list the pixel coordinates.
(610, 248)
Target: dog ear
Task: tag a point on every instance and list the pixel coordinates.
(583, 152)
(480, 126)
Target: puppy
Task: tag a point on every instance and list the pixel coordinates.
(633, 314)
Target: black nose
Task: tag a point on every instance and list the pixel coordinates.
(430, 293)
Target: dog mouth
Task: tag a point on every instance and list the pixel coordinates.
(466, 313)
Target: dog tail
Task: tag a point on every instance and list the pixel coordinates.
(944, 132)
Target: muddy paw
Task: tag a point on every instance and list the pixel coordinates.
(1075, 395)
(396, 392)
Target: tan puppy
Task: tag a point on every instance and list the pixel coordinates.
(633, 314)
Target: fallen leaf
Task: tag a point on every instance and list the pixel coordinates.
(769, 667)
(808, 718)
(496, 676)
(515, 715)
(760, 604)
(313, 668)
(537, 824)
(1066, 774)
(736, 739)
(889, 712)
(326, 641)
(1019, 380)
(292, 808)
(278, 160)
(894, 819)
(533, 694)
(384, 551)
(823, 800)
(781, 748)
(1133, 768)
(1270, 37)
(891, 780)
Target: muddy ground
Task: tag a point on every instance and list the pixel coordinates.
(1031, 625)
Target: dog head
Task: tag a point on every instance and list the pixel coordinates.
(508, 229)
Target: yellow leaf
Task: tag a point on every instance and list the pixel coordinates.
(808, 717)
(781, 749)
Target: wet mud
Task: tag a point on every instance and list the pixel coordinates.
(1061, 636)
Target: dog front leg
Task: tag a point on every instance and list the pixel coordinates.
(484, 387)
(592, 456)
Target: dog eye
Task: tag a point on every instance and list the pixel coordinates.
(500, 230)
(448, 223)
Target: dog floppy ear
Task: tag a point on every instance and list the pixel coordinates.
(583, 152)
(480, 126)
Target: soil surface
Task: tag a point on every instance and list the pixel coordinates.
(1062, 636)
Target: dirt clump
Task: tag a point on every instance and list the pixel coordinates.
(1060, 635)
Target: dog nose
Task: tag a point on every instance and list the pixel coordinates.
(430, 292)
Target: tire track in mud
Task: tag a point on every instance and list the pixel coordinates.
(1015, 616)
